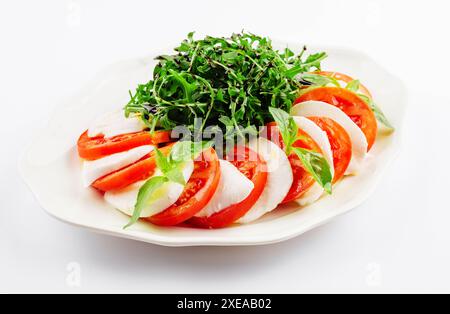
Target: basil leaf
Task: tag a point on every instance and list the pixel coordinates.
(199, 147)
(145, 193)
(188, 150)
(176, 175)
(281, 117)
(162, 162)
(353, 86)
(171, 167)
(314, 162)
(181, 152)
(287, 126)
(317, 166)
(379, 115)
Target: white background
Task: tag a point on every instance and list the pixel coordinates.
(397, 241)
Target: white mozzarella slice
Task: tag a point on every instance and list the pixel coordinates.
(279, 179)
(357, 137)
(115, 123)
(320, 137)
(311, 195)
(234, 187)
(95, 169)
(164, 197)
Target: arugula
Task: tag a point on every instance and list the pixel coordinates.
(312, 61)
(225, 81)
(171, 167)
(314, 162)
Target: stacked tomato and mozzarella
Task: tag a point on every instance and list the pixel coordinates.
(119, 157)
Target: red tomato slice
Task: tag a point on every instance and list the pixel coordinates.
(91, 148)
(341, 145)
(345, 78)
(254, 168)
(198, 191)
(303, 180)
(124, 177)
(351, 104)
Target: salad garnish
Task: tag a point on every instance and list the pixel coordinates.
(225, 81)
(314, 162)
(318, 80)
(171, 168)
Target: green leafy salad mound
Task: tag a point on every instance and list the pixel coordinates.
(227, 82)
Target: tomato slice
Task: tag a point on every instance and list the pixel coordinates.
(341, 145)
(345, 78)
(133, 173)
(351, 104)
(254, 168)
(92, 148)
(198, 191)
(303, 180)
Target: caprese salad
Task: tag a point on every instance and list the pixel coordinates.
(295, 132)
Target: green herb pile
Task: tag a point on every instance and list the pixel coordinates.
(228, 82)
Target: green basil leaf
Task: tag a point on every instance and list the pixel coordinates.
(287, 126)
(199, 147)
(176, 175)
(181, 152)
(162, 162)
(187, 150)
(281, 118)
(379, 115)
(145, 193)
(317, 166)
(353, 86)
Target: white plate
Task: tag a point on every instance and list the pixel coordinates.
(51, 167)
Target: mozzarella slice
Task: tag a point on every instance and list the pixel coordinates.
(357, 137)
(311, 195)
(279, 179)
(320, 137)
(115, 123)
(95, 169)
(164, 197)
(234, 187)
